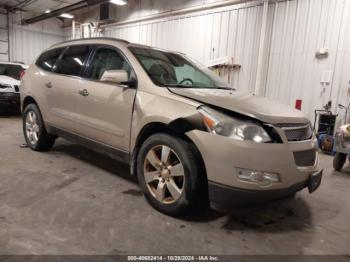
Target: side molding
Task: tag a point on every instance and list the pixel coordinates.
(114, 153)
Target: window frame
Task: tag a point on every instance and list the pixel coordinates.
(142, 65)
(92, 56)
(15, 67)
(164, 51)
(88, 61)
(48, 51)
(83, 68)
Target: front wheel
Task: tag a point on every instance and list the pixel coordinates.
(339, 161)
(34, 129)
(169, 173)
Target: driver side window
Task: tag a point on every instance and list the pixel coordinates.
(106, 59)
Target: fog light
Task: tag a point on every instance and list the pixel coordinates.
(258, 177)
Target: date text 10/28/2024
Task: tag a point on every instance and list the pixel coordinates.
(173, 258)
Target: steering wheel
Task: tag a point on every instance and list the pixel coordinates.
(188, 80)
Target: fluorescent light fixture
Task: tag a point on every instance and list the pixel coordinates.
(69, 16)
(47, 11)
(119, 2)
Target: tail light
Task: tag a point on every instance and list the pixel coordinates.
(21, 75)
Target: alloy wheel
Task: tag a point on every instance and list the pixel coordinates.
(164, 174)
(32, 127)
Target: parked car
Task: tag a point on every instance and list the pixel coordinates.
(185, 133)
(342, 141)
(342, 147)
(10, 75)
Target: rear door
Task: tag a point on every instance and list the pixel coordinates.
(105, 111)
(62, 88)
(42, 79)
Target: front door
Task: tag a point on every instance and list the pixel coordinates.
(105, 109)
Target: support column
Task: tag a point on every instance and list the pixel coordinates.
(259, 88)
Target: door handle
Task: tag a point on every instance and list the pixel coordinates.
(83, 92)
(48, 85)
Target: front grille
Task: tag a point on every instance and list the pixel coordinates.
(297, 132)
(16, 88)
(305, 158)
(9, 96)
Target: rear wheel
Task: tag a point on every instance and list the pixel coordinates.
(339, 161)
(34, 129)
(169, 174)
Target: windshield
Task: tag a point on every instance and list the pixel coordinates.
(174, 70)
(13, 71)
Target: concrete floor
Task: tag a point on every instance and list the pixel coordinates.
(74, 201)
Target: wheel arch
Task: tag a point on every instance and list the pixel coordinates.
(28, 100)
(177, 127)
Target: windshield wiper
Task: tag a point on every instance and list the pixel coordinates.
(177, 85)
(224, 88)
(200, 87)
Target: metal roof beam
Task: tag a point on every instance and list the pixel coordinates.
(70, 8)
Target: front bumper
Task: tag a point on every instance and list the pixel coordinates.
(222, 156)
(242, 197)
(9, 98)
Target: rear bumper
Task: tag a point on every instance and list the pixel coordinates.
(9, 98)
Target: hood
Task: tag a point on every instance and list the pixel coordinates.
(8, 80)
(5, 80)
(261, 108)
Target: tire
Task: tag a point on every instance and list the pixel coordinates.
(41, 141)
(181, 153)
(339, 161)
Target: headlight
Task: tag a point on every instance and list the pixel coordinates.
(224, 125)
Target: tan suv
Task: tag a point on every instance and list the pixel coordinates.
(186, 134)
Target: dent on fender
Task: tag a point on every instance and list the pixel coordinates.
(183, 125)
(180, 125)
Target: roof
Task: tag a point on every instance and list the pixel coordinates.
(102, 38)
(92, 39)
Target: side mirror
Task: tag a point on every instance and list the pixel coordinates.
(119, 77)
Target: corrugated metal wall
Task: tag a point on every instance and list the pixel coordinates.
(233, 32)
(300, 28)
(3, 38)
(296, 29)
(26, 45)
(27, 42)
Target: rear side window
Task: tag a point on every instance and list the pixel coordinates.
(48, 59)
(13, 71)
(73, 60)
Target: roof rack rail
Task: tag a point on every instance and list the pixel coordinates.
(11, 62)
(93, 38)
(18, 62)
